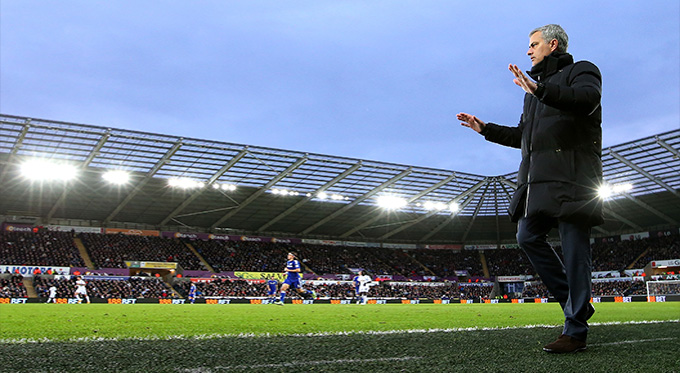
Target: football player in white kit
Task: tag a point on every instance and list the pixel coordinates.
(53, 294)
(80, 289)
(365, 281)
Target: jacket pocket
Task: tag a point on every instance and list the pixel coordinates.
(586, 212)
(552, 165)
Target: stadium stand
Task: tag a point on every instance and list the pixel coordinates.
(535, 290)
(620, 287)
(445, 263)
(361, 235)
(43, 248)
(226, 288)
(110, 251)
(105, 288)
(11, 286)
(475, 291)
(224, 256)
(508, 262)
(113, 250)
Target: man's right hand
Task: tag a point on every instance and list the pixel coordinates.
(471, 121)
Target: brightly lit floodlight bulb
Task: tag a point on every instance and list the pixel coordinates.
(337, 197)
(391, 202)
(605, 191)
(454, 207)
(322, 195)
(117, 177)
(40, 169)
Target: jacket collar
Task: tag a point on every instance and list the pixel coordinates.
(552, 63)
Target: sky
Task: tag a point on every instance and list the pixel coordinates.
(379, 80)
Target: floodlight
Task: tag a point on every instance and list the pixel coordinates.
(604, 191)
(391, 202)
(622, 188)
(184, 183)
(337, 197)
(284, 192)
(118, 177)
(322, 195)
(228, 187)
(42, 169)
(454, 207)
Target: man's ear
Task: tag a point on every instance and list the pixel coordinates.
(553, 45)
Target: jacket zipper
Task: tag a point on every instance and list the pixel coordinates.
(526, 203)
(531, 153)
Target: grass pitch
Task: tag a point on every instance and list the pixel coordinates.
(331, 338)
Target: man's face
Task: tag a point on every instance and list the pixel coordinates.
(538, 48)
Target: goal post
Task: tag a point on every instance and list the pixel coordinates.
(657, 291)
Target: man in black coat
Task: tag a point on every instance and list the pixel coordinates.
(560, 136)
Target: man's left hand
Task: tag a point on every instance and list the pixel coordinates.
(522, 80)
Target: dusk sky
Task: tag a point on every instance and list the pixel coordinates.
(376, 80)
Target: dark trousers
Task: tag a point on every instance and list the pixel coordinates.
(569, 281)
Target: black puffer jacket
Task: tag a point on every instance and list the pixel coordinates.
(560, 136)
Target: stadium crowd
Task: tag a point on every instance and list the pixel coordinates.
(508, 262)
(49, 248)
(42, 249)
(623, 287)
(344, 290)
(113, 250)
(225, 256)
(133, 287)
(12, 286)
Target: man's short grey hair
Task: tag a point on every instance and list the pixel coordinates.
(552, 31)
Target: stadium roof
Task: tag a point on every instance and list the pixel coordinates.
(279, 192)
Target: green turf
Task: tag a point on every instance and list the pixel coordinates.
(613, 347)
(71, 321)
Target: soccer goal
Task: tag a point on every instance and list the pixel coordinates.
(658, 290)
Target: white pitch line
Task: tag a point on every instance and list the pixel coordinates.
(631, 341)
(299, 363)
(317, 334)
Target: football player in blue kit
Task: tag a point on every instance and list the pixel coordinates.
(356, 286)
(293, 277)
(192, 293)
(272, 285)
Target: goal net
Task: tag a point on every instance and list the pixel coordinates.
(658, 290)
